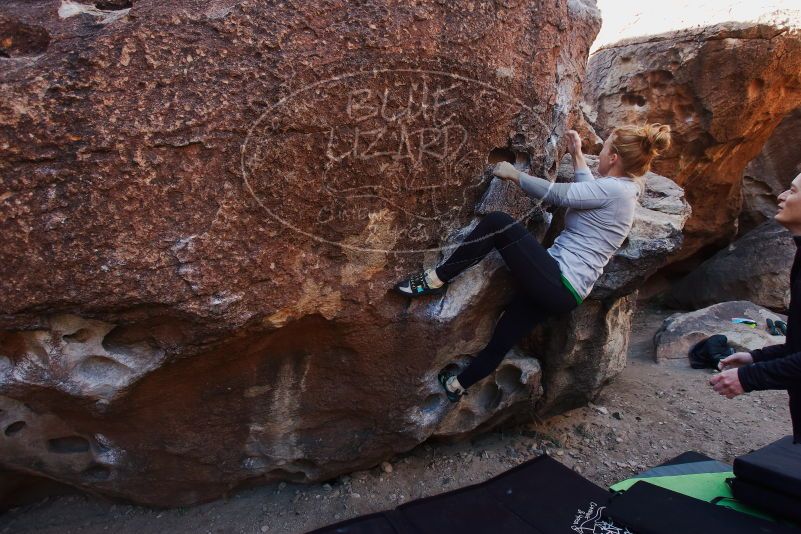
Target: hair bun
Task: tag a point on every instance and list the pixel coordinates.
(637, 145)
(656, 138)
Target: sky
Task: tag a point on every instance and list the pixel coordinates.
(626, 18)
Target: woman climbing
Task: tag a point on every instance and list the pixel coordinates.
(554, 281)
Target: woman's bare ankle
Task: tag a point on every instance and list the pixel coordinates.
(432, 279)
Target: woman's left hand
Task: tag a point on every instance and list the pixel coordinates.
(506, 171)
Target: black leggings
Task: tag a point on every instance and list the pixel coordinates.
(543, 294)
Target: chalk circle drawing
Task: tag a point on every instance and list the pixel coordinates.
(347, 159)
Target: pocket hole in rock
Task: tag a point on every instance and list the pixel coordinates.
(114, 5)
(79, 336)
(498, 155)
(489, 397)
(431, 404)
(134, 342)
(20, 39)
(522, 159)
(14, 427)
(291, 476)
(67, 445)
(451, 368)
(97, 472)
(633, 100)
(508, 379)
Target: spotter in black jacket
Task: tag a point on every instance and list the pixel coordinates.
(779, 366)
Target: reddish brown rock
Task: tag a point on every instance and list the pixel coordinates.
(205, 205)
(723, 89)
(767, 176)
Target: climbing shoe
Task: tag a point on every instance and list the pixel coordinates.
(417, 286)
(443, 380)
(781, 326)
(772, 328)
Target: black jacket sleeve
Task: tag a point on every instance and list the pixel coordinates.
(770, 353)
(778, 373)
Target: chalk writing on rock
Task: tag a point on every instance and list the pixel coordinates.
(386, 159)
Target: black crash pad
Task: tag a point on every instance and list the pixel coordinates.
(540, 496)
(766, 499)
(648, 509)
(776, 466)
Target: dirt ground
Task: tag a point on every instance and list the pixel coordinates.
(647, 415)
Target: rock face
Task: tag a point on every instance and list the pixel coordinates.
(767, 176)
(580, 355)
(205, 208)
(681, 331)
(723, 89)
(756, 268)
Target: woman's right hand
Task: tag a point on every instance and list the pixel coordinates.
(738, 359)
(573, 143)
(506, 171)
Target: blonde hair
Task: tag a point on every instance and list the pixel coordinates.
(637, 146)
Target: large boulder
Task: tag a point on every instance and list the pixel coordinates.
(681, 331)
(581, 353)
(205, 208)
(723, 89)
(770, 173)
(756, 268)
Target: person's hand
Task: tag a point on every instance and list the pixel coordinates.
(573, 142)
(738, 359)
(727, 383)
(506, 171)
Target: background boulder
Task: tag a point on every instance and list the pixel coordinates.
(681, 331)
(756, 268)
(770, 173)
(721, 117)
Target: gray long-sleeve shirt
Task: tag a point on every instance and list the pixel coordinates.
(598, 219)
